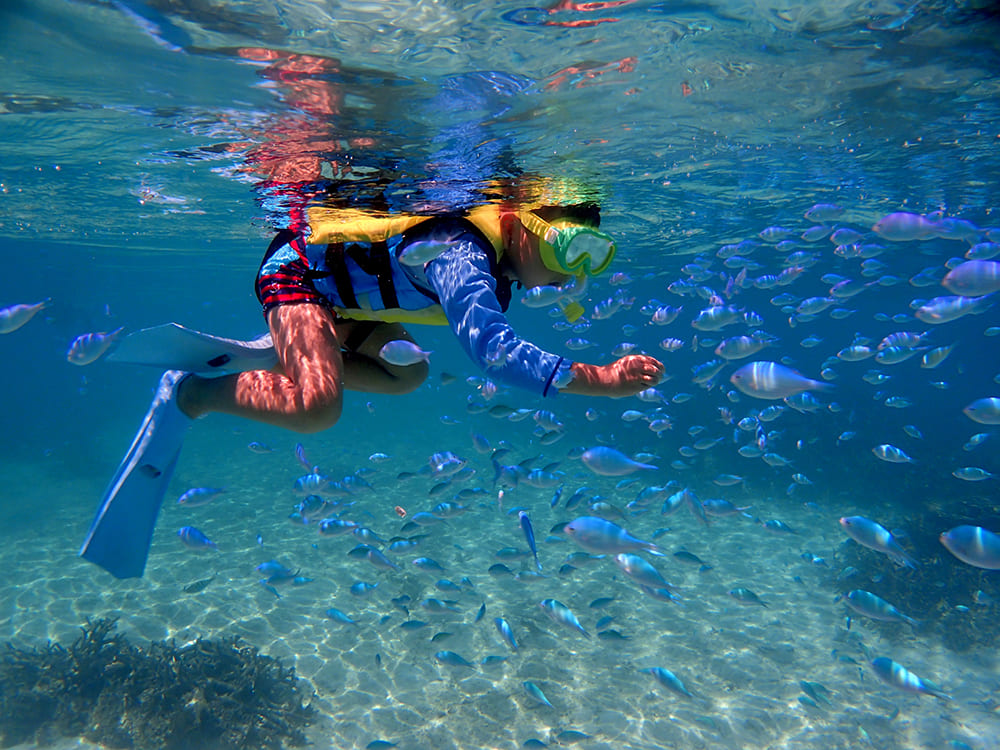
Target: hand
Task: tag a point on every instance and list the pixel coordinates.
(624, 377)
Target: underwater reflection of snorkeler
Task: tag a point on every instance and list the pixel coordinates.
(302, 144)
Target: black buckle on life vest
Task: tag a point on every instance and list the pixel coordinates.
(372, 258)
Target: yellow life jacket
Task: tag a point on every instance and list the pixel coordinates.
(345, 225)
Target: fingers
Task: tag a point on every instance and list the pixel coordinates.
(641, 369)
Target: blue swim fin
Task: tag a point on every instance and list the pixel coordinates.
(122, 531)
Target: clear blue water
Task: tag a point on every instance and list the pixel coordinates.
(136, 141)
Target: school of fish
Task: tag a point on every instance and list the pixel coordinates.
(911, 301)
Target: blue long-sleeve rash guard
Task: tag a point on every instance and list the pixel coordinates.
(462, 280)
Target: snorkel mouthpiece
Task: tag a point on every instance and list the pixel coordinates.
(571, 310)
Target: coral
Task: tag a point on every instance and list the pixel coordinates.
(220, 694)
(955, 601)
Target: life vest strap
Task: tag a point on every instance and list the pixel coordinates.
(372, 258)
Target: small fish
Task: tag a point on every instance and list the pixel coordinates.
(984, 411)
(973, 545)
(198, 496)
(337, 616)
(777, 526)
(891, 454)
(816, 691)
(361, 588)
(975, 441)
(669, 680)
(874, 536)
(536, 692)
(611, 463)
(453, 660)
(972, 474)
(15, 316)
(428, 564)
(748, 597)
(529, 534)
(903, 679)
(300, 456)
(90, 347)
(598, 536)
(379, 560)
(641, 571)
(973, 278)
(421, 252)
(770, 380)
(506, 633)
(437, 606)
(569, 736)
(560, 613)
(904, 227)
(690, 558)
(196, 586)
(403, 353)
(869, 605)
(194, 539)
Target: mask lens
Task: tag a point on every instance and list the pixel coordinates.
(587, 246)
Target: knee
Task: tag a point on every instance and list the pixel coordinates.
(411, 377)
(316, 413)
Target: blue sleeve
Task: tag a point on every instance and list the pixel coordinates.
(462, 280)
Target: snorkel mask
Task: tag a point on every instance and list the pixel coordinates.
(567, 247)
(570, 248)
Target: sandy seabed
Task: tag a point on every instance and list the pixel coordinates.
(376, 680)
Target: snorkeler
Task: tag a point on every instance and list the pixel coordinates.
(335, 295)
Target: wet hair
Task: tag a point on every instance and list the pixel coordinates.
(588, 214)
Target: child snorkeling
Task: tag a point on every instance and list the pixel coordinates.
(339, 288)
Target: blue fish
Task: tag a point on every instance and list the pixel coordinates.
(198, 496)
(361, 588)
(529, 534)
(973, 545)
(300, 456)
(379, 560)
(536, 692)
(870, 534)
(90, 347)
(503, 627)
(903, 679)
(337, 616)
(194, 539)
(560, 613)
(452, 659)
(599, 536)
(612, 463)
(669, 680)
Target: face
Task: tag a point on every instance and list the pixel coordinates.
(521, 251)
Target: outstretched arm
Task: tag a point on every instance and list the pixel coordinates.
(462, 281)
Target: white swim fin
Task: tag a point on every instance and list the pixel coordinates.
(173, 347)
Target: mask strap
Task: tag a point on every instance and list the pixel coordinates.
(538, 227)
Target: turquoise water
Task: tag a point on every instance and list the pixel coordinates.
(147, 150)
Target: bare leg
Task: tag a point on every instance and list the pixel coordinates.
(305, 392)
(365, 371)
